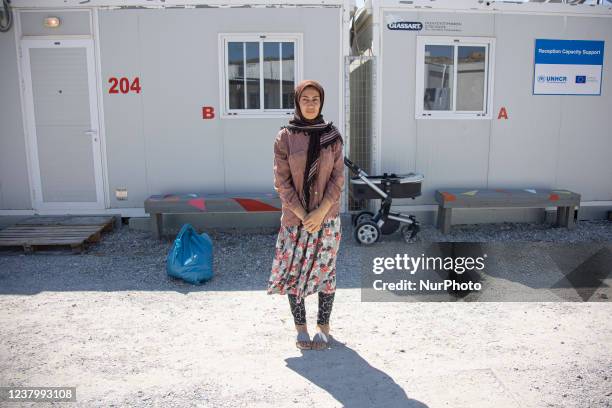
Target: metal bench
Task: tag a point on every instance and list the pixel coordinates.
(564, 200)
(158, 205)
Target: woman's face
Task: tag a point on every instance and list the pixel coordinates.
(310, 103)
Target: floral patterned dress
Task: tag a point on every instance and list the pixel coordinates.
(305, 263)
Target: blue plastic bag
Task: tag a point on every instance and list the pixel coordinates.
(191, 256)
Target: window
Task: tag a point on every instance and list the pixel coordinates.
(259, 73)
(454, 77)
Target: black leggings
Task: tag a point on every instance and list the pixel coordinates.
(298, 310)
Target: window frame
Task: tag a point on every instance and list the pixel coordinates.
(455, 41)
(224, 39)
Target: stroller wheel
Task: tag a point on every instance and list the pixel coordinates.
(361, 217)
(367, 233)
(409, 233)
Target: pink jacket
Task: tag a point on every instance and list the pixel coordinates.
(290, 151)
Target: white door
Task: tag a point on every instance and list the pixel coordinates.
(63, 125)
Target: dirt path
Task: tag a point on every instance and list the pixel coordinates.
(113, 325)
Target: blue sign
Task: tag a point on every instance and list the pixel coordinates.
(568, 67)
(575, 52)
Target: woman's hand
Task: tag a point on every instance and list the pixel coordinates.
(314, 220)
(300, 212)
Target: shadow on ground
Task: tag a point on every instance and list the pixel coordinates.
(350, 379)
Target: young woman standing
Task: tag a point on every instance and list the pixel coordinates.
(309, 177)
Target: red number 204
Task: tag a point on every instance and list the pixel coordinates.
(124, 85)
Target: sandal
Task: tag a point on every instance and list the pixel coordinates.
(320, 337)
(303, 336)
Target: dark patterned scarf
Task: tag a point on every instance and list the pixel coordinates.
(321, 134)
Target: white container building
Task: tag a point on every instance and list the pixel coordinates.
(106, 102)
(471, 94)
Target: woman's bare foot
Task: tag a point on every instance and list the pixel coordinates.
(322, 328)
(303, 344)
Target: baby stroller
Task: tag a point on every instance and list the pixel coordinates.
(368, 227)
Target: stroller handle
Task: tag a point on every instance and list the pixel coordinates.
(351, 165)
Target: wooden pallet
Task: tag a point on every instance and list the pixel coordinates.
(38, 232)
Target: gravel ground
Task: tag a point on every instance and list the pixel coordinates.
(111, 322)
(585, 231)
(145, 258)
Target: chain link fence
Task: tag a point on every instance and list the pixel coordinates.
(360, 85)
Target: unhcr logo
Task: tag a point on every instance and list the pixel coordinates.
(554, 79)
(405, 25)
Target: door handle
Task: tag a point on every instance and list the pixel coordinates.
(93, 132)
